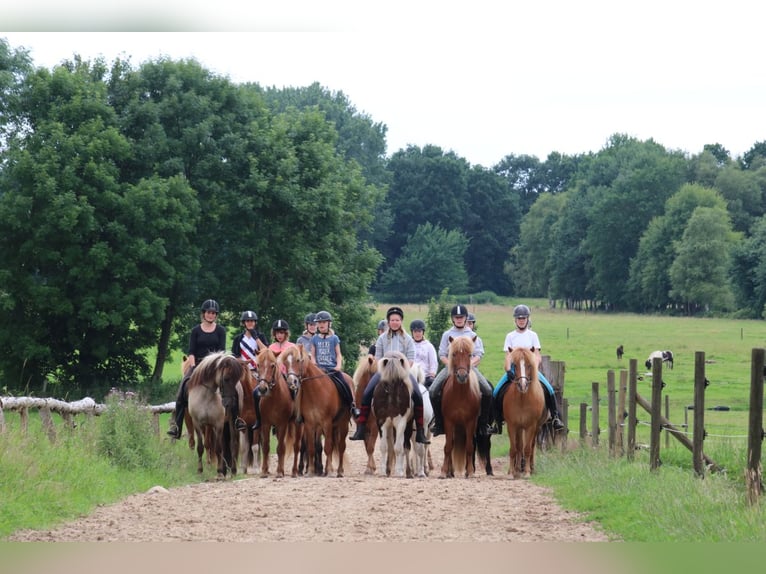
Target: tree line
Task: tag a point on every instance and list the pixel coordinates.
(131, 193)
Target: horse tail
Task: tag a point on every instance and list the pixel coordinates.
(459, 457)
(290, 438)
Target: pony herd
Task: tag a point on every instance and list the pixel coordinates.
(302, 407)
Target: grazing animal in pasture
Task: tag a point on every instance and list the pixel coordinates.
(620, 352)
(666, 356)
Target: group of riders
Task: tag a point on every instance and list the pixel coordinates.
(322, 345)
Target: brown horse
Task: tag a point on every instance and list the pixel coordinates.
(212, 390)
(319, 404)
(461, 399)
(392, 403)
(366, 368)
(524, 411)
(278, 411)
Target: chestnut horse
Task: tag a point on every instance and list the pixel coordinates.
(319, 404)
(365, 369)
(461, 399)
(392, 403)
(212, 390)
(524, 411)
(278, 411)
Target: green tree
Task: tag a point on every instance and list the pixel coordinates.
(82, 265)
(432, 260)
(700, 273)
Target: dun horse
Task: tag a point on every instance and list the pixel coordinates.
(212, 390)
(366, 368)
(392, 404)
(319, 404)
(278, 411)
(524, 411)
(461, 399)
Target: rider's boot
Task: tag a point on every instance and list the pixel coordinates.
(361, 420)
(436, 403)
(420, 434)
(550, 402)
(177, 422)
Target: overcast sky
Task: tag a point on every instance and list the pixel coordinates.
(480, 79)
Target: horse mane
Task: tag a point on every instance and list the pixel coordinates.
(212, 367)
(460, 344)
(416, 370)
(395, 366)
(523, 354)
(366, 364)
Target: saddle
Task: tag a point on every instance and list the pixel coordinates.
(346, 397)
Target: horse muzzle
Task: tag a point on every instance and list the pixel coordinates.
(461, 375)
(522, 383)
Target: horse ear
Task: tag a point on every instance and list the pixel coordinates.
(510, 349)
(474, 338)
(451, 338)
(532, 349)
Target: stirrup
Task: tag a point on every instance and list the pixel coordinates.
(174, 432)
(355, 412)
(420, 436)
(557, 424)
(240, 425)
(437, 430)
(257, 424)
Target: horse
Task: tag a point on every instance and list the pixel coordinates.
(212, 390)
(461, 400)
(392, 403)
(666, 356)
(423, 462)
(524, 411)
(366, 367)
(620, 352)
(319, 404)
(278, 411)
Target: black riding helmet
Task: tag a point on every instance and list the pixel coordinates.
(248, 316)
(280, 325)
(310, 319)
(418, 325)
(459, 311)
(394, 311)
(520, 311)
(210, 305)
(323, 316)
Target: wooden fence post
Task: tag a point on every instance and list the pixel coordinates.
(611, 414)
(654, 441)
(632, 392)
(698, 437)
(622, 390)
(667, 416)
(594, 432)
(755, 433)
(583, 425)
(565, 420)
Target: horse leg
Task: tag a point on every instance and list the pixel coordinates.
(311, 447)
(218, 441)
(447, 470)
(369, 444)
(340, 446)
(399, 447)
(296, 431)
(265, 450)
(281, 448)
(200, 448)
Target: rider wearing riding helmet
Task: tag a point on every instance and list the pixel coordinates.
(280, 330)
(459, 328)
(381, 329)
(206, 337)
(310, 329)
(325, 352)
(393, 339)
(246, 346)
(425, 354)
(524, 336)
